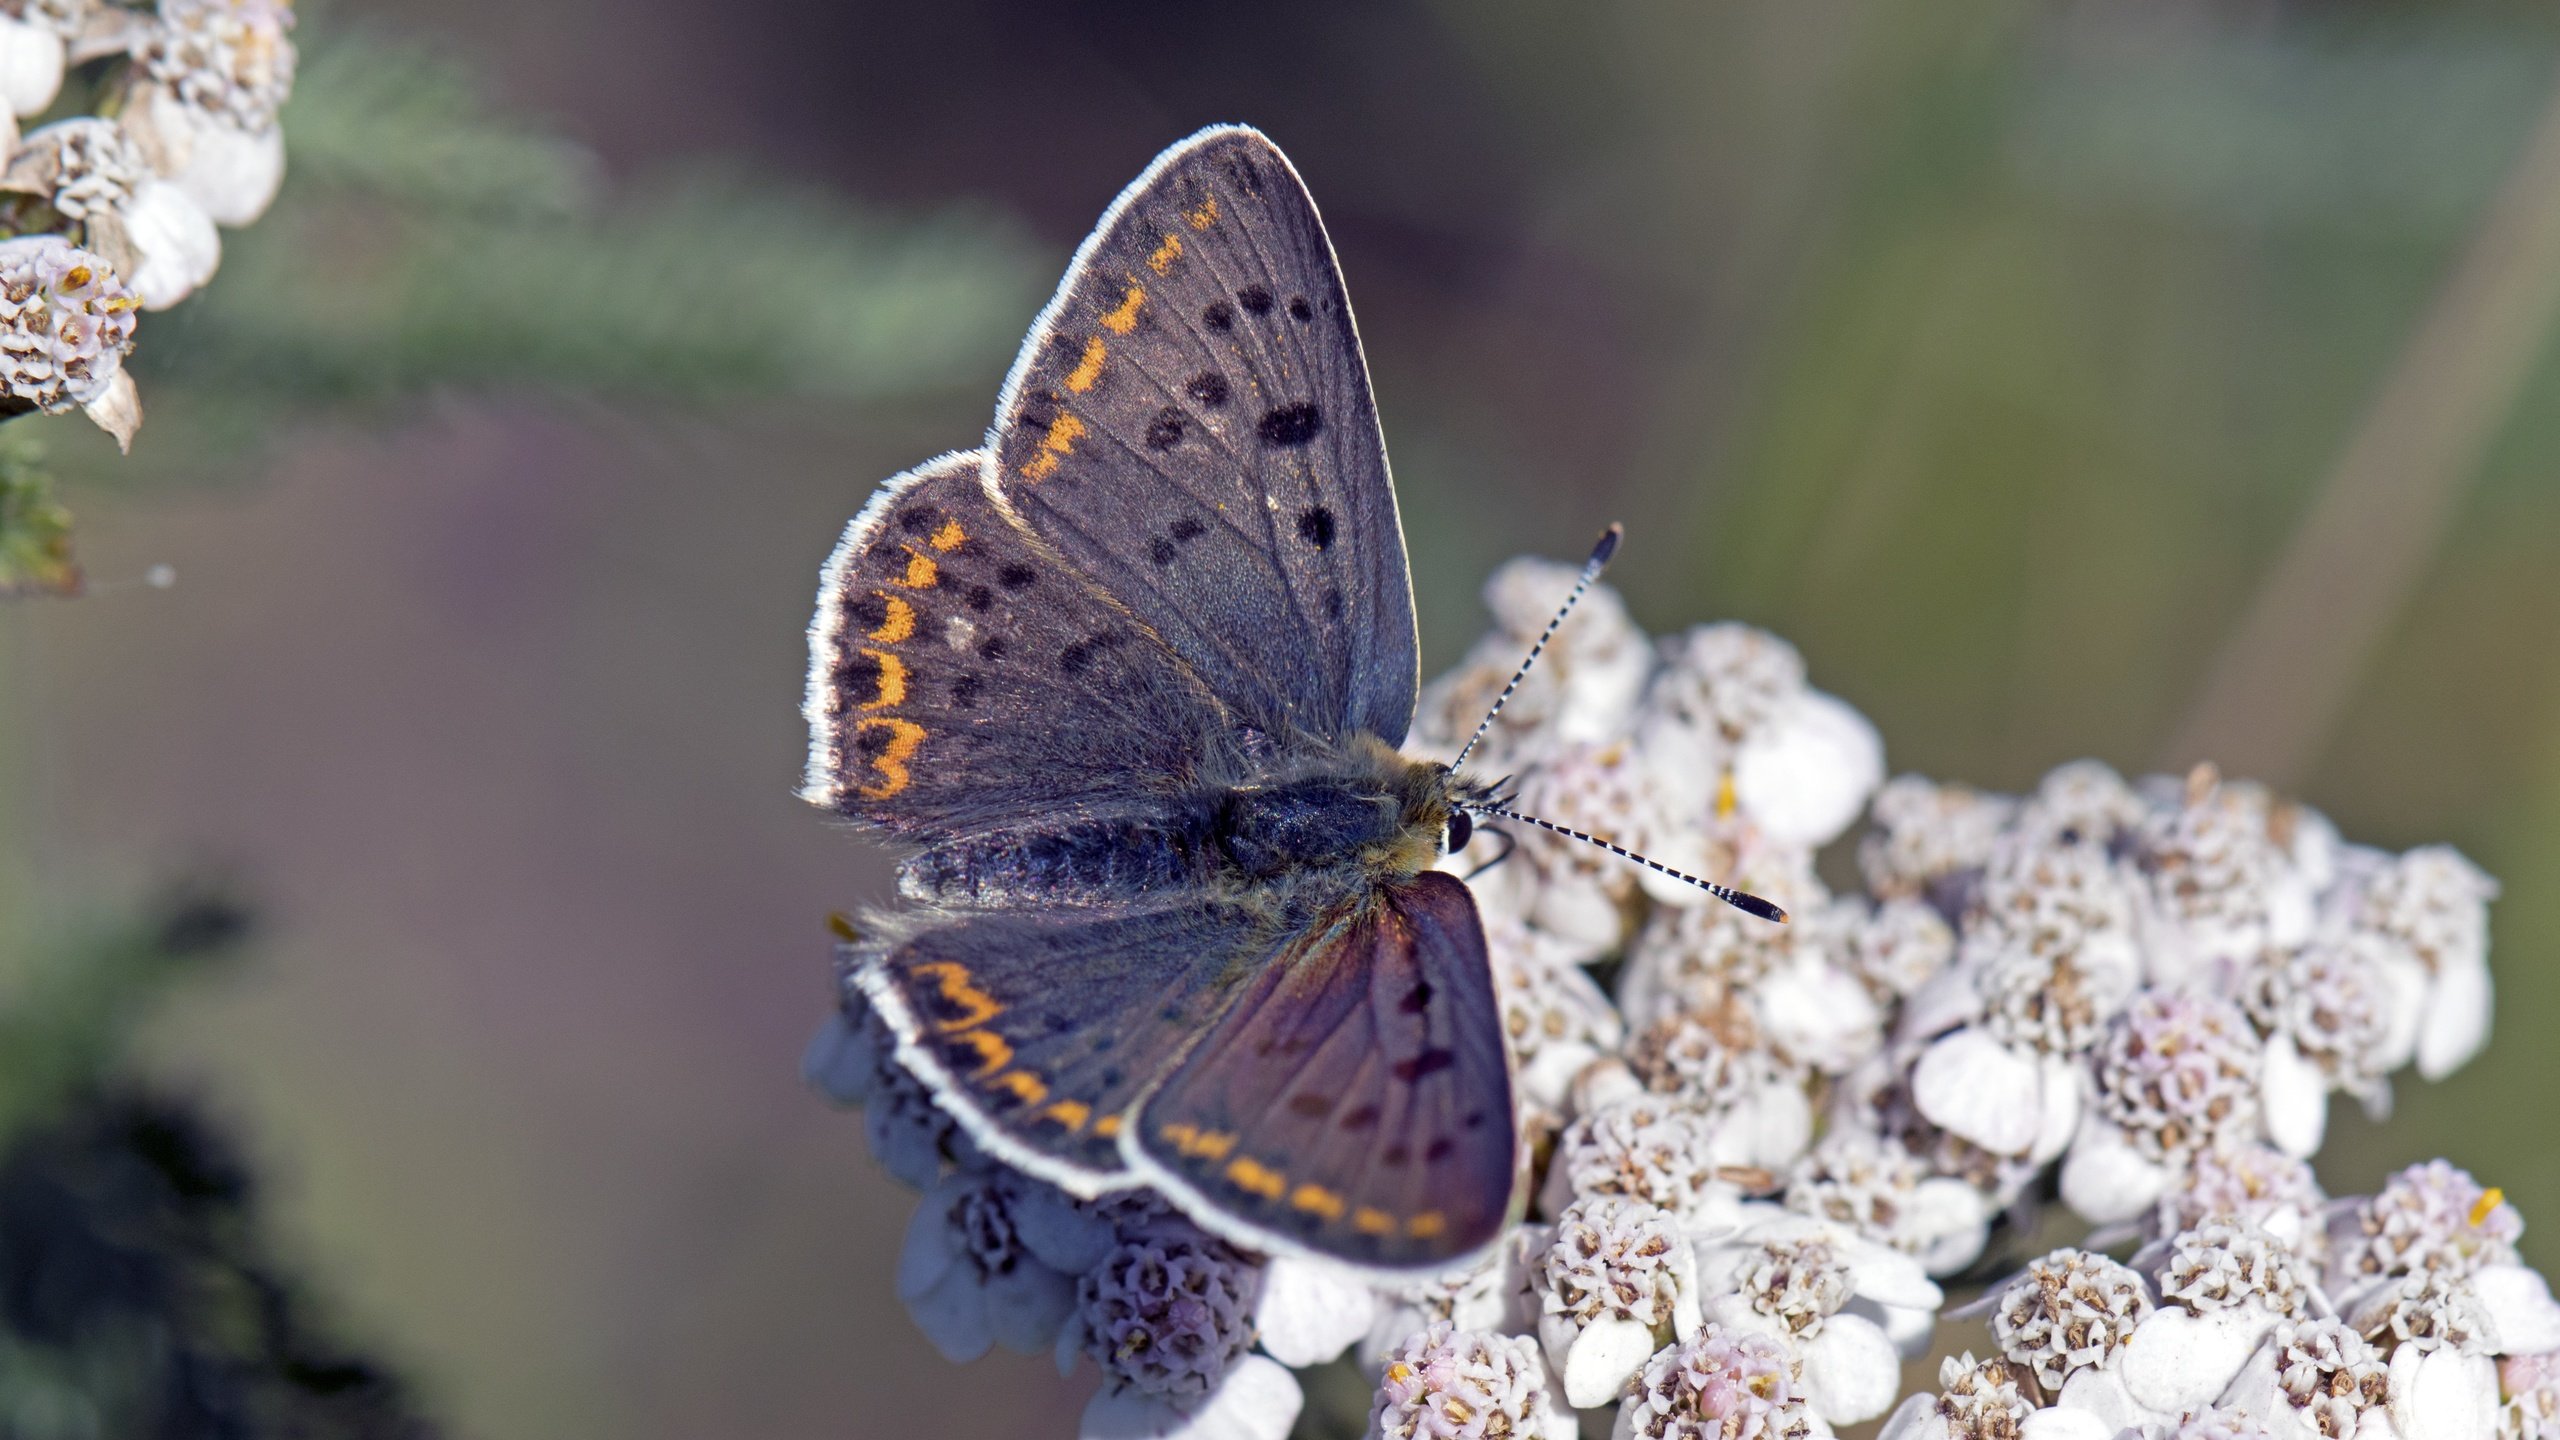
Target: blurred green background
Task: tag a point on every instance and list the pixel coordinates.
(2152, 379)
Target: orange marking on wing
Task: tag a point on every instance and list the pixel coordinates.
(1180, 1134)
(1205, 216)
(1063, 434)
(893, 680)
(900, 623)
(1426, 1225)
(1071, 1113)
(950, 537)
(1254, 1177)
(1166, 254)
(1210, 1144)
(950, 980)
(1107, 1126)
(1373, 1222)
(1088, 369)
(993, 1053)
(1022, 1084)
(1318, 1201)
(922, 573)
(1125, 319)
(904, 737)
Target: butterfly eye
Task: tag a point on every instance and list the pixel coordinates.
(1462, 828)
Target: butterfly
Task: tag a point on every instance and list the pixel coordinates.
(1131, 680)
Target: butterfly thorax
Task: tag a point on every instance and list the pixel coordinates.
(1341, 819)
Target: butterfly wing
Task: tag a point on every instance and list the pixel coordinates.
(961, 677)
(1039, 1029)
(1190, 424)
(1355, 1102)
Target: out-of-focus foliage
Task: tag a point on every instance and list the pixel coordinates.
(425, 241)
(138, 1294)
(35, 531)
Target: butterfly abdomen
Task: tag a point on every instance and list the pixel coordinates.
(1074, 861)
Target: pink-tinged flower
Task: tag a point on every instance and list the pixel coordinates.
(1718, 1385)
(1451, 1384)
(1845, 1307)
(1984, 1400)
(2176, 1075)
(1857, 1179)
(1167, 1313)
(89, 174)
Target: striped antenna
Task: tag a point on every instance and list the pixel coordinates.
(1743, 901)
(1591, 569)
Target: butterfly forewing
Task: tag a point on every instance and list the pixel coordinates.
(1356, 1101)
(1191, 423)
(960, 677)
(1040, 1029)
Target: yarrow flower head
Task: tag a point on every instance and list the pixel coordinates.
(207, 80)
(2070, 1310)
(1167, 1313)
(1452, 1384)
(1718, 1385)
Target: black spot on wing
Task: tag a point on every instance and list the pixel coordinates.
(979, 598)
(1161, 550)
(1310, 1105)
(1315, 526)
(1220, 316)
(915, 519)
(1360, 1117)
(964, 692)
(1299, 310)
(1429, 1062)
(1015, 577)
(1255, 299)
(1291, 426)
(1208, 387)
(1188, 529)
(1416, 998)
(1165, 431)
(992, 648)
(869, 610)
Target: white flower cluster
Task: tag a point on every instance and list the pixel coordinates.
(1757, 1144)
(184, 139)
(2404, 1315)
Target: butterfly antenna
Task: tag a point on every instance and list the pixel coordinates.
(1591, 569)
(1743, 901)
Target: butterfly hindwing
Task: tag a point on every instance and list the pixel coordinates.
(960, 677)
(1039, 1029)
(1356, 1100)
(1190, 423)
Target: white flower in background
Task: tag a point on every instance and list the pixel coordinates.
(2312, 1379)
(2177, 1073)
(2431, 1217)
(2429, 911)
(2070, 1311)
(34, 46)
(2220, 887)
(153, 233)
(1617, 1282)
(208, 79)
(1717, 1385)
(1583, 689)
(1310, 1313)
(1899, 946)
(1927, 836)
(968, 1278)
(1556, 1018)
(1729, 712)
(1855, 1178)
(2223, 1288)
(2325, 1010)
(1976, 1400)
(2253, 1184)
(66, 322)
(1496, 1293)
(2084, 802)
(1647, 1148)
(1577, 893)
(1697, 953)
(1845, 1306)
(1751, 1103)
(1451, 1384)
